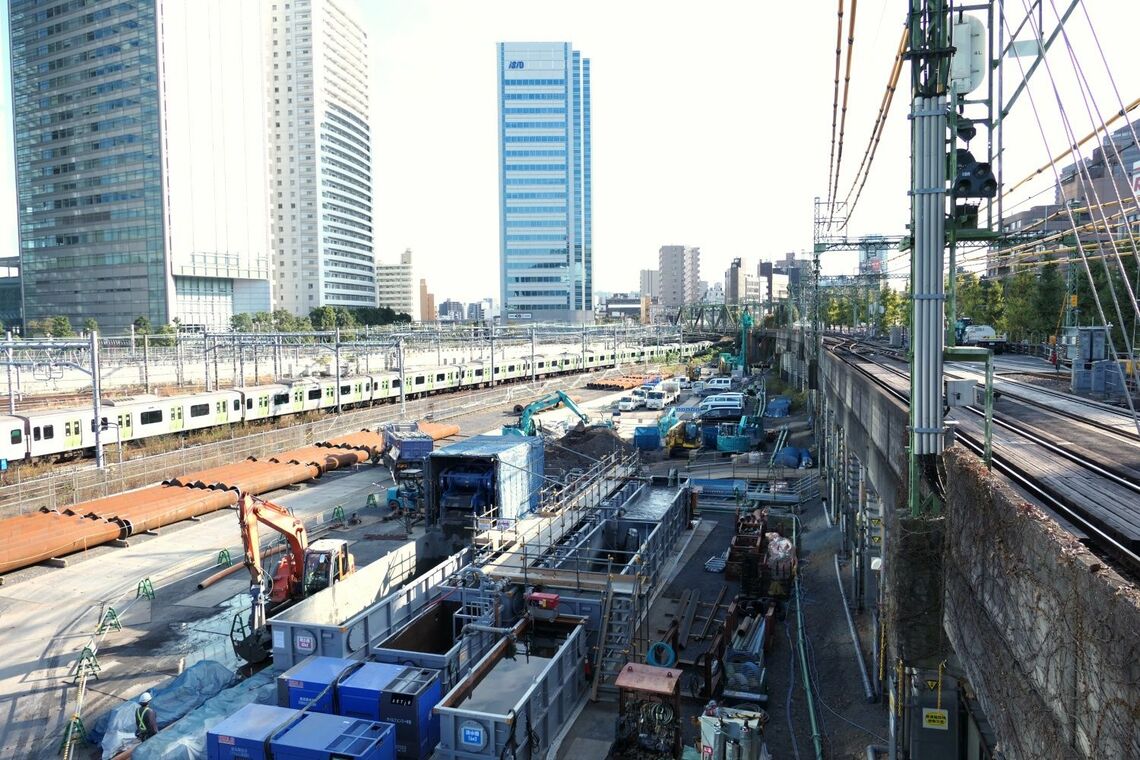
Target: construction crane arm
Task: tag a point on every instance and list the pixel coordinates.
(569, 403)
(251, 511)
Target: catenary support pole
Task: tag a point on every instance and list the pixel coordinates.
(95, 399)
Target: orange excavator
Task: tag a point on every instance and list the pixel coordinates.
(305, 570)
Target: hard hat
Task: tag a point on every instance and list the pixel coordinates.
(145, 697)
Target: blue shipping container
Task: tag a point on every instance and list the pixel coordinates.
(514, 463)
(331, 737)
(303, 683)
(242, 735)
(400, 695)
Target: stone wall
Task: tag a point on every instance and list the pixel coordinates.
(1048, 636)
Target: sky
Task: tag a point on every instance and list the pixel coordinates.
(712, 125)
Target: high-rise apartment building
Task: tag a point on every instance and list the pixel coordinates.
(546, 247)
(321, 156)
(680, 268)
(650, 283)
(394, 284)
(427, 303)
(140, 165)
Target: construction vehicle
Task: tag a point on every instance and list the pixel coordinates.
(304, 570)
(406, 498)
(985, 336)
(528, 425)
(682, 436)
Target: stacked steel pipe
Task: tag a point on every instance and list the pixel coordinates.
(47, 534)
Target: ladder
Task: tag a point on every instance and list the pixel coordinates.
(615, 637)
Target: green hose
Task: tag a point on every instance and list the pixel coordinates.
(816, 739)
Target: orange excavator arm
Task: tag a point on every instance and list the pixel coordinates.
(251, 511)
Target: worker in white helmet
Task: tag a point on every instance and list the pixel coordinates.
(146, 723)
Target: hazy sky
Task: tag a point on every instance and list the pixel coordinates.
(711, 125)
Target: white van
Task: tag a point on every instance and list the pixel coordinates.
(722, 406)
(719, 384)
(638, 395)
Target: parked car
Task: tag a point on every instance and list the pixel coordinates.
(627, 404)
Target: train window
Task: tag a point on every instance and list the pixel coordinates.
(67, 428)
(237, 404)
(199, 410)
(249, 403)
(439, 378)
(49, 432)
(330, 392)
(511, 368)
(419, 380)
(345, 390)
(17, 436)
(541, 365)
(315, 393)
(281, 398)
(149, 418)
(36, 433)
(478, 373)
(396, 383)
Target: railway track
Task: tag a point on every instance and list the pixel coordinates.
(1102, 511)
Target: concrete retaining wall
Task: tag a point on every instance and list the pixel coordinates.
(1047, 634)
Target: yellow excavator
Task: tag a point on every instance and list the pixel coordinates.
(303, 571)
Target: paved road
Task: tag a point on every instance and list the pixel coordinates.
(48, 615)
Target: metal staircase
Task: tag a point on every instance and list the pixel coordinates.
(616, 641)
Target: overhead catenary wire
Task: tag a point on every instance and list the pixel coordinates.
(1073, 224)
(835, 100)
(834, 189)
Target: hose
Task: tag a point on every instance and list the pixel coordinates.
(661, 655)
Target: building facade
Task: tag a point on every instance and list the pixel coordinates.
(321, 156)
(545, 234)
(140, 169)
(650, 283)
(394, 285)
(680, 275)
(427, 303)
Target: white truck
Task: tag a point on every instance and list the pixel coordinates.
(983, 336)
(663, 395)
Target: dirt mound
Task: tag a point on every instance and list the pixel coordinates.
(581, 447)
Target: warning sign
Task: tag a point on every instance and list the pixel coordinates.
(936, 719)
(931, 684)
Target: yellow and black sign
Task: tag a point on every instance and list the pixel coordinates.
(936, 719)
(932, 683)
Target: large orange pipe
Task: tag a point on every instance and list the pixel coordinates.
(438, 430)
(72, 534)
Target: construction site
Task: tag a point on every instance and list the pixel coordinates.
(571, 580)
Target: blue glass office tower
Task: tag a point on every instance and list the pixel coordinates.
(546, 257)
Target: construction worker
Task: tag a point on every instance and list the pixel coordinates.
(146, 724)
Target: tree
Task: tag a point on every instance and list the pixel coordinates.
(323, 318)
(1020, 316)
(90, 325)
(344, 318)
(263, 321)
(241, 323)
(285, 321)
(142, 325)
(60, 327)
(167, 336)
(1049, 301)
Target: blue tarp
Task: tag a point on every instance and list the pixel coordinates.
(170, 700)
(780, 406)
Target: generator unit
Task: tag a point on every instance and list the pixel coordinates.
(307, 684)
(397, 694)
(331, 737)
(242, 736)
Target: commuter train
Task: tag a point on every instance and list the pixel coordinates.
(52, 433)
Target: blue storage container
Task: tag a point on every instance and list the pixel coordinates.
(709, 433)
(398, 694)
(647, 438)
(302, 683)
(242, 735)
(331, 737)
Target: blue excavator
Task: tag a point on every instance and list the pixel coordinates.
(528, 425)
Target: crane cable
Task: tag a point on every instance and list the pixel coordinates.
(832, 191)
(877, 129)
(835, 100)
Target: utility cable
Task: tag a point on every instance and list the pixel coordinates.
(835, 100)
(834, 189)
(1073, 223)
(1082, 167)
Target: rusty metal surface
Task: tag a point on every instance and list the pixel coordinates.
(325, 458)
(647, 678)
(367, 440)
(65, 534)
(438, 430)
